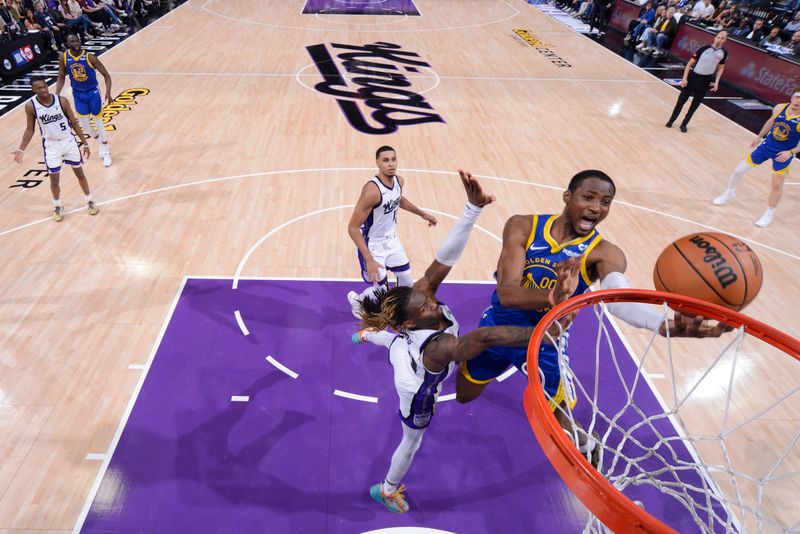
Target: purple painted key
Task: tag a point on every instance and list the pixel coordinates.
(361, 7)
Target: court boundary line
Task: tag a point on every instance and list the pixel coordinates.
(127, 413)
(405, 170)
(205, 8)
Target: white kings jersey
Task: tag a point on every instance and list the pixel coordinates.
(53, 123)
(382, 220)
(417, 387)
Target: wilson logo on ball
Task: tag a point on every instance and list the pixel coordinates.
(722, 271)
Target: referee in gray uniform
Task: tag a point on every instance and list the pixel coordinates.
(708, 61)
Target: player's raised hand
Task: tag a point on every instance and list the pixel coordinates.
(694, 326)
(567, 273)
(475, 193)
(18, 155)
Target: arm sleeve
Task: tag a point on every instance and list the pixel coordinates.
(455, 242)
(637, 314)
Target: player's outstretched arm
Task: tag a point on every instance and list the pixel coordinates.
(369, 197)
(446, 348)
(28, 134)
(455, 242)
(609, 262)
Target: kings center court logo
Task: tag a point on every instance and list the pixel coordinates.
(374, 85)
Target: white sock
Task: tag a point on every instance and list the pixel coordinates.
(404, 278)
(369, 293)
(87, 198)
(57, 202)
(769, 211)
(101, 131)
(402, 457)
(86, 124)
(738, 174)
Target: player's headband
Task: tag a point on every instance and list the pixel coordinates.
(796, 94)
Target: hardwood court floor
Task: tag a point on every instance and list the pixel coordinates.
(232, 141)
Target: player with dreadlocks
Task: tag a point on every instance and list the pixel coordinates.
(427, 346)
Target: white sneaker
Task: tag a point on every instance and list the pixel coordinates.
(765, 219)
(106, 160)
(355, 304)
(725, 197)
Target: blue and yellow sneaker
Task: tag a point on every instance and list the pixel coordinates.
(396, 502)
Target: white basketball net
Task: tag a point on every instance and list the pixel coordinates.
(731, 452)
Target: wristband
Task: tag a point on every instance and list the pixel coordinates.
(20, 150)
(471, 211)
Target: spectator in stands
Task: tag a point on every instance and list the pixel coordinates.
(32, 25)
(732, 18)
(702, 10)
(646, 17)
(101, 14)
(585, 9)
(758, 32)
(773, 39)
(73, 14)
(600, 15)
(706, 63)
(659, 37)
(11, 24)
(46, 21)
(794, 44)
(16, 12)
(723, 6)
(794, 25)
(742, 29)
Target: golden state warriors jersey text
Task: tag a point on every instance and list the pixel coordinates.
(542, 255)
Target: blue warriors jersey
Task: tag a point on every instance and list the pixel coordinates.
(785, 133)
(541, 256)
(82, 74)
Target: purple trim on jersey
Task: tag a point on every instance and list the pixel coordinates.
(380, 192)
(399, 269)
(425, 398)
(74, 163)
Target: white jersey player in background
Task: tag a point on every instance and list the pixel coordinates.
(427, 346)
(373, 228)
(56, 124)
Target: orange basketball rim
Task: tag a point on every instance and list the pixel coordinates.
(615, 510)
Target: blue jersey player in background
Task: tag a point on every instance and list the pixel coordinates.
(82, 68)
(545, 260)
(781, 136)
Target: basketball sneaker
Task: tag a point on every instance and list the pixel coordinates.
(105, 153)
(58, 214)
(92, 207)
(395, 502)
(765, 219)
(725, 197)
(355, 304)
(361, 336)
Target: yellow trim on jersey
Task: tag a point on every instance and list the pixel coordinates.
(554, 246)
(749, 161)
(785, 170)
(533, 231)
(72, 56)
(559, 397)
(466, 374)
(584, 272)
(786, 113)
(88, 61)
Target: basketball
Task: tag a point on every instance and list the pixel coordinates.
(710, 266)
